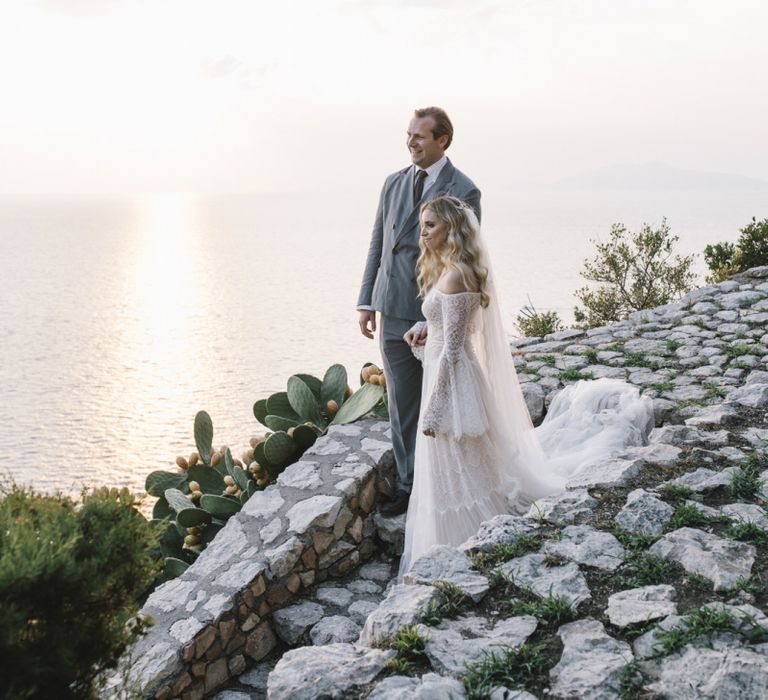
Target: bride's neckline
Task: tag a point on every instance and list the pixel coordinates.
(452, 294)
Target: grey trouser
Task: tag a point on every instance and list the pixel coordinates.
(404, 394)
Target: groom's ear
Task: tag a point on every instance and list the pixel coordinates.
(443, 141)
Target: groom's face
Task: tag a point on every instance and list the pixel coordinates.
(425, 149)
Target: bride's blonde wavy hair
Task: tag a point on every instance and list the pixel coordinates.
(461, 251)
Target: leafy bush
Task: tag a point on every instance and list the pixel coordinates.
(635, 271)
(532, 323)
(71, 577)
(751, 250)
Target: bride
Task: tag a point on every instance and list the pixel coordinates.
(477, 453)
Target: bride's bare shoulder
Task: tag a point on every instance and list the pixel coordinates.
(451, 283)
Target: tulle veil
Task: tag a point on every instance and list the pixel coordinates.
(586, 422)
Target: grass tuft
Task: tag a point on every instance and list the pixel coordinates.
(572, 375)
(451, 600)
(747, 532)
(527, 666)
(486, 561)
(552, 609)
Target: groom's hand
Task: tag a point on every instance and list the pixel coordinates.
(367, 320)
(429, 432)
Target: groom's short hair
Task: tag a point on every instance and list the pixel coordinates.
(443, 126)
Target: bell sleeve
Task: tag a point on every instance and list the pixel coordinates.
(455, 405)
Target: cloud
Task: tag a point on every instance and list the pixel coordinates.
(78, 7)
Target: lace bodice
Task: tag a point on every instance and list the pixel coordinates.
(453, 404)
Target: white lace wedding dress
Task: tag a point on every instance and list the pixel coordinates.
(486, 458)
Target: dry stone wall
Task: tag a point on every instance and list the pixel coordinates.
(316, 522)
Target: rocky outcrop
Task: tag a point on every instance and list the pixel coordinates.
(647, 576)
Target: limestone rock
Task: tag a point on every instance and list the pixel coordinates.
(503, 529)
(301, 475)
(317, 511)
(360, 609)
(283, 558)
(445, 563)
(454, 643)
(585, 545)
(704, 479)
(656, 453)
(724, 562)
(293, 621)
(332, 671)
(569, 507)
(401, 607)
(332, 595)
(687, 435)
(429, 687)
(750, 395)
(697, 673)
(591, 664)
(531, 571)
(391, 530)
(641, 604)
(746, 513)
(644, 514)
(534, 400)
(613, 472)
(376, 571)
(264, 504)
(334, 629)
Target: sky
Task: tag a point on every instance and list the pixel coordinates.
(217, 96)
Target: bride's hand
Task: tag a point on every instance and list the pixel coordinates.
(416, 338)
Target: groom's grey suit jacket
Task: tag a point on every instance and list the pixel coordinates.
(389, 280)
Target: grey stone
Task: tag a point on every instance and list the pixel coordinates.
(454, 643)
(446, 563)
(657, 453)
(724, 562)
(746, 513)
(283, 558)
(591, 664)
(317, 511)
(401, 607)
(757, 377)
(376, 571)
(613, 472)
(569, 507)
(232, 695)
(756, 436)
(391, 530)
(292, 622)
(184, 630)
(340, 597)
(240, 574)
(703, 479)
(502, 693)
(696, 673)
(734, 300)
(301, 475)
(687, 435)
(264, 504)
(375, 449)
(326, 445)
(334, 629)
(503, 529)
(644, 514)
(649, 644)
(429, 687)
(531, 571)
(331, 671)
(534, 400)
(215, 605)
(270, 532)
(170, 595)
(546, 348)
(224, 549)
(585, 545)
(359, 610)
(641, 604)
(346, 430)
(750, 395)
(359, 471)
(364, 587)
(712, 415)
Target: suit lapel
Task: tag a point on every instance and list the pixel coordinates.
(441, 186)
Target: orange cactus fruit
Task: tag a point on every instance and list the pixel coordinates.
(229, 481)
(215, 458)
(262, 482)
(290, 431)
(332, 407)
(194, 486)
(375, 379)
(256, 440)
(182, 462)
(194, 458)
(366, 372)
(348, 392)
(383, 380)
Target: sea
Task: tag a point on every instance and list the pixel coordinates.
(122, 316)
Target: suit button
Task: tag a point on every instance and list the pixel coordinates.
(395, 251)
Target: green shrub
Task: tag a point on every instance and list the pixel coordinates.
(71, 577)
(634, 271)
(751, 250)
(533, 323)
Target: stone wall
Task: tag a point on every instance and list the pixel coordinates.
(316, 522)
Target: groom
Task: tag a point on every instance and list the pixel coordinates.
(389, 280)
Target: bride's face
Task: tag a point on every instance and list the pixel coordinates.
(434, 232)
